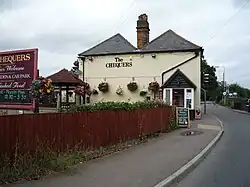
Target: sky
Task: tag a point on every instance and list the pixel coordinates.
(63, 28)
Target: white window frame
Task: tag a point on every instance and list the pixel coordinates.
(171, 95)
(185, 94)
(192, 98)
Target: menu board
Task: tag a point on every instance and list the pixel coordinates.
(17, 71)
(182, 115)
(15, 96)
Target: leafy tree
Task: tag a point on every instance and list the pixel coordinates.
(242, 92)
(211, 87)
(214, 88)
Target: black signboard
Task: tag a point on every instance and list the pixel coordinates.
(182, 116)
(15, 96)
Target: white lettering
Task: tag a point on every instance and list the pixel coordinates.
(5, 77)
(14, 68)
(6, 85)
(15, 85)
(18, 85)
(21, 76)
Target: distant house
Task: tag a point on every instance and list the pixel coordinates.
(169, 59)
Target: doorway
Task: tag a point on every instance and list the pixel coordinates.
(178, 97)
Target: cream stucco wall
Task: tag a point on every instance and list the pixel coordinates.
(145, 69)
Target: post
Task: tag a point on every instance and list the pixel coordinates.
(205, 100)
(36, 110)
(36, 100)
(224, 87)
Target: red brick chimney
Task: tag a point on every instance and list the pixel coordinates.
(142, 31)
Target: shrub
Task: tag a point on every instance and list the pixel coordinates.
(116, 106)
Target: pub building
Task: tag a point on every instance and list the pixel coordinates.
(169, 59)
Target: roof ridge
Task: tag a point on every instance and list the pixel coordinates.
(171, 31)
(64, 75)
(99, 44)
(110, 38)
(184, 38)
(126, 40)
(159, 36)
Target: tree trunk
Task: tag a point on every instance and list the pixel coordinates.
(36, 110)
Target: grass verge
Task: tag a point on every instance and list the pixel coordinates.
(46, 162)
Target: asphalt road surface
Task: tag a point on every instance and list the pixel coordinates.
(228, 164)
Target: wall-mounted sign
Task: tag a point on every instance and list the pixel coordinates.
(17, 71)
(182, 117)
(119, 64)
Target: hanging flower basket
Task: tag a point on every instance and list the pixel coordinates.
(46, 86)
(119, 91)
(83, 89)
(132, 86)
(88, 92)
(94, 92)
(143, 92)
(103, 87)
(85, 85)
(40, 87)
(154, 86)
(79, 90)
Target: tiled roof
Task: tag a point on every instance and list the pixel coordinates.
(64, 76)
(114, 45)
(177, 73)
(166, 42)
(170, 41)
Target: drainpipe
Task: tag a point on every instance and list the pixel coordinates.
(196, 54)
(83, 58)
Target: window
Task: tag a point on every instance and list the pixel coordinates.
(167, 97)
(188, 98)
(158, 95)
(178, 97)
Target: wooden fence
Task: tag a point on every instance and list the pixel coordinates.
(59, 131)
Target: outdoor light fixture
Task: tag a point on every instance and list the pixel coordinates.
(91, 58)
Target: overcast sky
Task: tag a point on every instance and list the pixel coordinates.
(63, 28)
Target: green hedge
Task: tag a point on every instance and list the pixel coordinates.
(116, 106)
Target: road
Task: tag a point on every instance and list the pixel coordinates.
(228, 164)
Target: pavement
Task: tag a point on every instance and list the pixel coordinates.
(228, 163)
(142, 166)
(241, 111)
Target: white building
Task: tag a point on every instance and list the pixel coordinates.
(169, 59)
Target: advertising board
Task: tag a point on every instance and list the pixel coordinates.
(17, 71)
